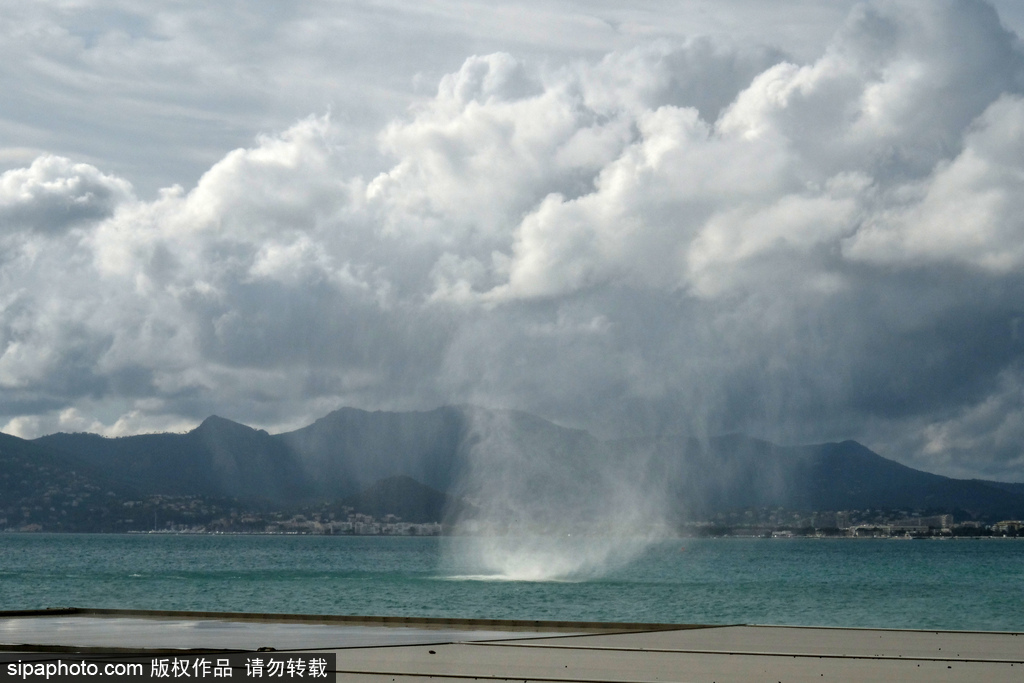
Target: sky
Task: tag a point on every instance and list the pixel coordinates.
(802, 221)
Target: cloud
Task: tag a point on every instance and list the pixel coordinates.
(875, 114)
(55, 194)
(968, 211)
(157, 94)
(680, 236)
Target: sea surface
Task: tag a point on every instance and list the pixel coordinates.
(947, 584)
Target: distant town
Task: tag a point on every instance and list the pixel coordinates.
(780, 523)
(99, 511)
(355, 524)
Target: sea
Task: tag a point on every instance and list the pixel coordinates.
(927, 584)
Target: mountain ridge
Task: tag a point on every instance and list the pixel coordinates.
(349, 450)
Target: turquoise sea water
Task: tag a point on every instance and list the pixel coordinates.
(952, 584)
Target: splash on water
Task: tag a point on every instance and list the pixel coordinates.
(550, 505)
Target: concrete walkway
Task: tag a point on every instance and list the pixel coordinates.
(714, 655)
(390, 649)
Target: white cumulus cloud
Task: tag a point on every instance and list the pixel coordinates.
(679, 235)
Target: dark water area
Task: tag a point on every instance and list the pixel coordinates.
(951, 584)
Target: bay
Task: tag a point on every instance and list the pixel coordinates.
(951, 584)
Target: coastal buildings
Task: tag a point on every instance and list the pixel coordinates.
(781, 523)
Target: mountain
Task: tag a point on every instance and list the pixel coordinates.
(350, 449)
(739, 472)
(848, 475)
(402, 496)
(41, 489)
(1012, 487)
(338, 455)
(219, 458)
(462, 450)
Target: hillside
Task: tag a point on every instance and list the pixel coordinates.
(219, 458)
(735, 471)
(401, 496)
(40, 489)
(462, 451)
(349, 449)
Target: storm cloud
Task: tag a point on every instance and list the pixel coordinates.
(682, 236)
